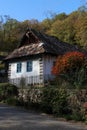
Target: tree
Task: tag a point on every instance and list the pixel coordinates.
(60, 17)
(81, 30)
(71, 67)
(9, 34)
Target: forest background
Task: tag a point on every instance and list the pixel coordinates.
(71, 28)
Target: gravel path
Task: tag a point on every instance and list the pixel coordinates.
(13, 118)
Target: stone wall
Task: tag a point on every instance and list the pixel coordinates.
(31, 94)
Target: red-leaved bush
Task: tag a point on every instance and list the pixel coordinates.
(67, 62)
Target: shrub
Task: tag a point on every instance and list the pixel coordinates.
(48, 94)
(77, 115)
(67, 62)
(72, 68)
(54, 100)
(76, 100)
(84, 106)
(13, 101)
(60, 103)
(65, 103)
(7, 90)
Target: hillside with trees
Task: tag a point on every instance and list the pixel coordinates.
(70, 28)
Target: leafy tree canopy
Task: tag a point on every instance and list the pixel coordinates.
(70, 28)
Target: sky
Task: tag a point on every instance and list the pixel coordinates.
(37, 9)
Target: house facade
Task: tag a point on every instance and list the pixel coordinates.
(34, 58)
(33, 70)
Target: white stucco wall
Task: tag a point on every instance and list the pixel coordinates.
(24, 73)
(41, 71)
(48, 64)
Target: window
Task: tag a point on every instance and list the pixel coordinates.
(19, 66)
(29, 66)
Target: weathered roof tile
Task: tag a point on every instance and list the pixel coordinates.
(37, 43)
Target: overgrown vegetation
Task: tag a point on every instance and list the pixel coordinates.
(70, 104)
(62, 102)
(54, 100)
(8, 93)
(58, 100)
(72, 67)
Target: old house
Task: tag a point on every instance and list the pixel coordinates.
(34, 57)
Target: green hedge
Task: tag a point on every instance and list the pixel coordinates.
(65, 103)
(54, 100)
(7, 90)
(13, 101)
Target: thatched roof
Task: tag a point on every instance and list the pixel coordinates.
(34, 42)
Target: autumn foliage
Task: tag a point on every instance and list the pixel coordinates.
(68, 62)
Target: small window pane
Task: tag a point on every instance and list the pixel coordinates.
(19, 65)
(29, 66)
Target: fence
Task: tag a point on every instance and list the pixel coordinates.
(32, 80)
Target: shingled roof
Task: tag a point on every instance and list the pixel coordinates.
(34, 42)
